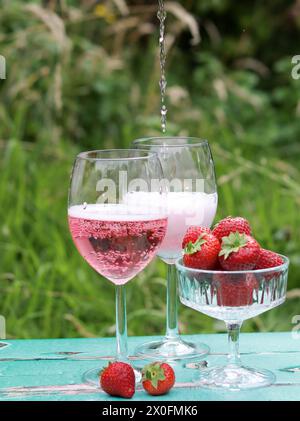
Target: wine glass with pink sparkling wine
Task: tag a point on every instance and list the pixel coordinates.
(117, 237)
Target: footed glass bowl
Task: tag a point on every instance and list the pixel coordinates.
(233, 297)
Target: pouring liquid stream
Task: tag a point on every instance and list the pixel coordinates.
(162, 15)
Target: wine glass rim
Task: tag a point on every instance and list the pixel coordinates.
(180, 266)
(195, 141)
(143, 154)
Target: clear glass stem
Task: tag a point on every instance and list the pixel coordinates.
(172, 304)
(121, 323)
(233, 342)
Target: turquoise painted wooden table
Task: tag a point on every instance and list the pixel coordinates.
(39, 370)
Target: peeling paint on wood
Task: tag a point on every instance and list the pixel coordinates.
(53, 369)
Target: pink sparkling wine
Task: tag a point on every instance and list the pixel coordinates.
(117, 244)
(184, 209)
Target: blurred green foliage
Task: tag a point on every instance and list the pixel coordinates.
(83, 75)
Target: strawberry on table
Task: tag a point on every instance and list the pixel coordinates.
(268, 259)
(239, 252)
(118, 379)
(230, 224)
(200, 251)
(158, 378)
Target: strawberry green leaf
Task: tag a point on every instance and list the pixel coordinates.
(192, 248)
(232, 244)
(154, 373)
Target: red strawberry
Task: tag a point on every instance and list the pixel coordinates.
(118, 379)
(230, 224)
(239, 252)
(192, 234)
(268, 259)
(203, 252)
(158, 378)
(235, 290)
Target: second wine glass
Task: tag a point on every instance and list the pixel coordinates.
(192, 199)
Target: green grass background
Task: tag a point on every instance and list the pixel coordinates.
(82, 76)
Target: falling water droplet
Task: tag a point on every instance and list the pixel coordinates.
(84, 205)
(164, 110)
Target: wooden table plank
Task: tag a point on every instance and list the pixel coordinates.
(52, 369)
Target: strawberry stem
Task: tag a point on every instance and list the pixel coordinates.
(232, 244)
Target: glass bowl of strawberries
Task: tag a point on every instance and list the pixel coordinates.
(226, 274)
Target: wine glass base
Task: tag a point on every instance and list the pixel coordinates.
(92, 376)
(233, 377)
(172, 349)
